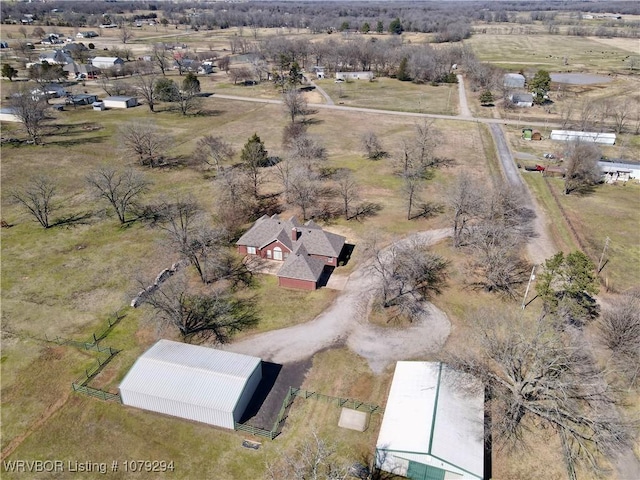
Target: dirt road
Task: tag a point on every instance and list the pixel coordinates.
(345, 323)
(462, 95)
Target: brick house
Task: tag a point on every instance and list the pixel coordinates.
(306, 250)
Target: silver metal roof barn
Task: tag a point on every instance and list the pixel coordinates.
(193, 382)
(429, 428)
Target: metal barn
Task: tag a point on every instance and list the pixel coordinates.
(120, 102)
(595, 137)
(192, 382)
(430, 430)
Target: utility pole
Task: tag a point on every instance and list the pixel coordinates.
(606, 245)
(526, 292)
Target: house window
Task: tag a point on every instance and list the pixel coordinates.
(330, 260)
(251, 250)
(277, 253)
(268, 253)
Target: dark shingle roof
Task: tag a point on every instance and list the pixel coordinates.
(302, 267)
(315, 240)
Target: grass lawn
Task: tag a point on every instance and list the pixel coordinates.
(392, 94)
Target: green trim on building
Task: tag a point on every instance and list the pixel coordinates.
(435, 409)
(420, 471)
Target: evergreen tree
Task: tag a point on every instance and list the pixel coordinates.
(366, 28)
(403, 73)
(380, 27)
(9, 72)
(395, 27)
(540, 86)
(191, 83)
(486, 98)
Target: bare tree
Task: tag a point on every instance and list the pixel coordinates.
(407, 276)
(412, 186)
(216, 316)
(213, 151)
(537, 382)
(313, 460)
(294, 103)
(303, 191)
(586, 114)
(496, 263)
(224, 63)
(37, 198)
(306, 150)
(145, 83)
(464, 199)
(372, 146)
(348, 190)
(120, 188)
(160, 57)
(582, 166)
(31, 110)
(145, 141)
(619, 327)
(125, 33)
(620, 114)
(235, 200)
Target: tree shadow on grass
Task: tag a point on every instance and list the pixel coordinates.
(76, 141)
(73, 219)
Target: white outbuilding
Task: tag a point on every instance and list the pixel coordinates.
(192, 382)
(430, 430)
(120, 102)
(513, 80)
(9, 115)
(595, 137)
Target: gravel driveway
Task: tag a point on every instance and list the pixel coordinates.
(344, 323)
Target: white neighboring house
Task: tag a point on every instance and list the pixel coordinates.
(614, 171)
(8, 115)
(595, 137)
(107, 62)
(354, 76)
(521, 99)
(430, 429)
(192, 382)
(57, 57)
(120, 102)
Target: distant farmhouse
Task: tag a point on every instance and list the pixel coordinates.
(107, 62)
(307, 251)
(354, 76)
(521, 99)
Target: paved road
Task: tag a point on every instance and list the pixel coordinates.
(498, 121)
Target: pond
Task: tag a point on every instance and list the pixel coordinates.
(579, 78)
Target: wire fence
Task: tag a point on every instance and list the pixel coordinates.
(81, 384)
(288, 401)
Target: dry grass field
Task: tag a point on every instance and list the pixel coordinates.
(515, 52)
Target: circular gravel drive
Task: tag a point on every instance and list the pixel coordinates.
(344, 322)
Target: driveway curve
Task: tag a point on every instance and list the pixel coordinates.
(345, 323)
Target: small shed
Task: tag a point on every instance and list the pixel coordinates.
(82, 99)
(513, 80)
(430, 430)
(192, 382)
(531, 134)
(120, 102)
(98, 106)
